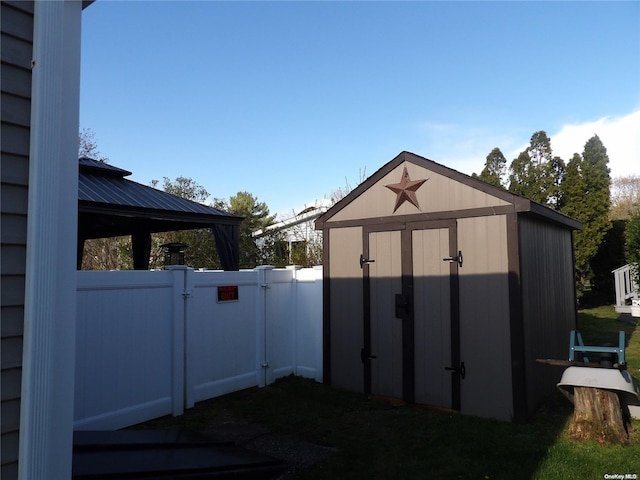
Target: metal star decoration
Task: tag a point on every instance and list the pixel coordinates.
(406, 190)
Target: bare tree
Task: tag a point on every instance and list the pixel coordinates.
(113, 253)
(625, 197)
(341, 192)
(88, 146)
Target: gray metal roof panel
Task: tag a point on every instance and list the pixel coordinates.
(98, 184)
(101, 168)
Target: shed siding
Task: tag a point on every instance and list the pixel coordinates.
(437, 194)
(17, 39)
(346, 308)
(548, 301)
(484, 317)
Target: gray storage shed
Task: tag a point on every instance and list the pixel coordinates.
(442, 290)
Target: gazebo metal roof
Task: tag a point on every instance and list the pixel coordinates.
(111, 205)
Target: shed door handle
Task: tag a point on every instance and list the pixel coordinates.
(461, 370)
(365, 260)
(364, 355)
(457, 258)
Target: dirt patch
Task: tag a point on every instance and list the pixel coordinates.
(297, 454)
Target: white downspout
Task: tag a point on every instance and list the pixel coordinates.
(48, 371)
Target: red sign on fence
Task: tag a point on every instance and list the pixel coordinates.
(228, 293)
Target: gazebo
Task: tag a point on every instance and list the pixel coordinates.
(111, 205)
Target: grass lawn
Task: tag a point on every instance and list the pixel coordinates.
(600, 325)
(376, 440)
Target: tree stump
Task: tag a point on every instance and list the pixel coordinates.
(597, 416)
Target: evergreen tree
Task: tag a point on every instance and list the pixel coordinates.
(256, 217)
(632, 239)
(539, 149)
(533, 172)
(494, 168)
(524, 177)
(573, 204)
(585, 197)
(573, 187)
(554, 173)
(610, 256)
(632, 246)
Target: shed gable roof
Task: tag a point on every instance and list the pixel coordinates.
(432, 191)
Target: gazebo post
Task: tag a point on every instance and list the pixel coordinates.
(80, 252)
(227, 238)
(141, 247)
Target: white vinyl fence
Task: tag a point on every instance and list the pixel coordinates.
(152, 343)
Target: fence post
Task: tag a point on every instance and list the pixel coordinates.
(318, 327)
(294, 302)
(189, 360)
(261, 324)
(180, 296)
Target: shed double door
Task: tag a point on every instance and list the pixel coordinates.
(411, 329)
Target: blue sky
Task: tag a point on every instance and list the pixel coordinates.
(290, 100)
